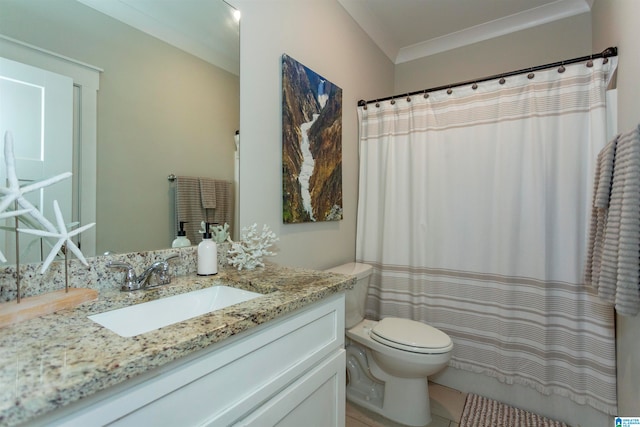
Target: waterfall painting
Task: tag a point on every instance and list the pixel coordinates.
(311, 145)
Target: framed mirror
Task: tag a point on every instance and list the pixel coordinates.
(168, 102)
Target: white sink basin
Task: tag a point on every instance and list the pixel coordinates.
(148, 316)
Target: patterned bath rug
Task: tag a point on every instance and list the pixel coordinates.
(482, 412)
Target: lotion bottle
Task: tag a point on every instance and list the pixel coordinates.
(181, 240)
(207, 254)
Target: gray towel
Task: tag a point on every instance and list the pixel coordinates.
(190, 204)
(613, 262)
(599, 210)
(208, 192)
(224, 204)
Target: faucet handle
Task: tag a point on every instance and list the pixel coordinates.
(162, 276)
(130, 279)
(163, 273)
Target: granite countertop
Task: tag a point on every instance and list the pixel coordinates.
(57, 359)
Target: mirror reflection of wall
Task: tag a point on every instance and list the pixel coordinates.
(160, 111)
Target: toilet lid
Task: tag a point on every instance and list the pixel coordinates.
(409, 335)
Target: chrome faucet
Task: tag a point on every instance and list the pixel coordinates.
(156, 274)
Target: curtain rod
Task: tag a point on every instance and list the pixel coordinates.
(608, 52)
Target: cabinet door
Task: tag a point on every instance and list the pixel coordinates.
(315, 399)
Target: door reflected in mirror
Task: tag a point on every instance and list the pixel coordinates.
(168, 102)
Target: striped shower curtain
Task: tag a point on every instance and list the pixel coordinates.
(474, 209)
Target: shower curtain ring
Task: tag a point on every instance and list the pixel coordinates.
(561, 69)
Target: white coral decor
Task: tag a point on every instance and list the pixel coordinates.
(248, 252)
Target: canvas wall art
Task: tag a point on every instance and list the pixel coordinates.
(311, 145)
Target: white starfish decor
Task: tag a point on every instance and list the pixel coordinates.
(15, 193)
(63, 236)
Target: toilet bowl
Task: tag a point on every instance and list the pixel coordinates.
(388, 361)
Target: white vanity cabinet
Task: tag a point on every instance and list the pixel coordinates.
(287, 372)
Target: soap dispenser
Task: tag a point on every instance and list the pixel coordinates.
(207, 254)
(181, 240)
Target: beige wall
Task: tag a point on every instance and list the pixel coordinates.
(567, 38)
(617, 23)
(160, 111)
(322, 36)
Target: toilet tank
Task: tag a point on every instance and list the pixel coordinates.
(356, 297)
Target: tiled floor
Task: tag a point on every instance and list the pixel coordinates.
(446, 409)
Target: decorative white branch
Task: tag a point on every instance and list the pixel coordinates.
(220, 233)
(248, 252)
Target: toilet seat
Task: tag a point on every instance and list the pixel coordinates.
(409, 335)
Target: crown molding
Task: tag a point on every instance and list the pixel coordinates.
(550, 12)
(520, 21)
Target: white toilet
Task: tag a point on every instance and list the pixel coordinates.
(388, 361)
